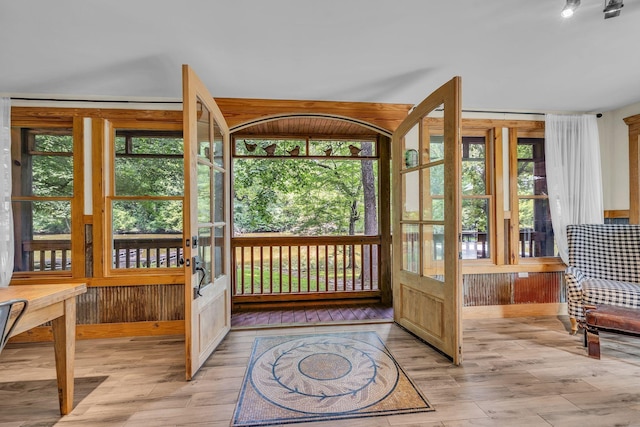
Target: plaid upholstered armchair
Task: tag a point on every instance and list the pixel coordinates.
(604, 267)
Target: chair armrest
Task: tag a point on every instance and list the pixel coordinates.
(574, 278)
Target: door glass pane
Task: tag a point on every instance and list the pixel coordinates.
(203, 136)
(411, 247)
(433, 251)
(218, 146)
(204, 252)
(218, 204)
(433, 193)
(433, 209)
(204, 193)
(410, 195)
(433, 137)
(434, 150)
(218, 248)
(475, 228)
(411, 145)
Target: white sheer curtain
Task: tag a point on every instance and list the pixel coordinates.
(6, 216)
(574, 177)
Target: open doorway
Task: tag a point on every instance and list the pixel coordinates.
(311, 230)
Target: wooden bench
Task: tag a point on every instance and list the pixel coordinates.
(608, 318)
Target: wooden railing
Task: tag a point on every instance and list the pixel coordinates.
(45, 255)
(305, 265)
(146, 253)
(55, 255)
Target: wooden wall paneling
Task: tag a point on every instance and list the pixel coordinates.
(538, 288)
(633, 122)
(623, 213)
(36, 116)
(118, 304)
(107, 330)
(509, 288)
(487, 289)
(240, 111)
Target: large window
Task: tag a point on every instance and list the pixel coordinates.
(145, 205)
(43, 189)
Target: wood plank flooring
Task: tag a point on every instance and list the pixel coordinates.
(334, 314)
(516, 372)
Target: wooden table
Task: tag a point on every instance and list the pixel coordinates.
(58, 304)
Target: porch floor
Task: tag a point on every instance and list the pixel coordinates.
(334, 314)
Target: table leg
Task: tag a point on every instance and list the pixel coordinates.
(64, 340)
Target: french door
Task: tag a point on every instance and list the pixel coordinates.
(427, 280)
(207, 242)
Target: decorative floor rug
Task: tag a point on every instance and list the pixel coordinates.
(303, 378)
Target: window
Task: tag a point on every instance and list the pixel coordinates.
(43, 190)
(534, 218)
(145, 205)
(476, 198)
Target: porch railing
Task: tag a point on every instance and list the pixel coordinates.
(55, 255)
(305, 265)
(146, 253)
(46, 255)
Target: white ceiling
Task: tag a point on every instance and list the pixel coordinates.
(513, 55)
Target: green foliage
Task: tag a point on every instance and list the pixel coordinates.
(299, 196)
(147, 216)
(51, 167)
(150, 176)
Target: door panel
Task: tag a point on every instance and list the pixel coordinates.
(427, 282)
(207, 239)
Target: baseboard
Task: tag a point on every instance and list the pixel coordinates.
(107, 330)
(514, 310)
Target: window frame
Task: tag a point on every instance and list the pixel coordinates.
(106, 129)
(514, 135)
(501, 178)
(76, 200)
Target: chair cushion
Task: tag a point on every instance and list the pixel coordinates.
(612, 292)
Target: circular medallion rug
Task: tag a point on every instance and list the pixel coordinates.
(322, 377)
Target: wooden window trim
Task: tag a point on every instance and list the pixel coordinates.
(104, 194)
(34, 119)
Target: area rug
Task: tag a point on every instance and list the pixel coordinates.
(301, 378)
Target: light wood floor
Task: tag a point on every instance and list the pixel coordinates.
(516, 372)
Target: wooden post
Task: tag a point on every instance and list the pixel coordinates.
(384, 185)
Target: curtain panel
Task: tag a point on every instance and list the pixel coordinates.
(574, 177)
(6, 215)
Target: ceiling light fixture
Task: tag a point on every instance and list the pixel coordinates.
(612, 9)
(570, 8)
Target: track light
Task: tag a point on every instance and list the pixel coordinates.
(570, 8)
(612, 9)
